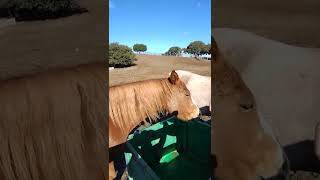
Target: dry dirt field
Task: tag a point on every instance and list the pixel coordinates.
(150, 67)
(294, 22)
(31, 47)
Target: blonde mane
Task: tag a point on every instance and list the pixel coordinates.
(53, 125)
(133, 102)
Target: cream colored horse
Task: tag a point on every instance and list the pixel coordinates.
(199, 87)
(284, 79)
(244, 146)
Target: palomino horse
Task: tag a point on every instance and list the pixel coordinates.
(199, 87)
(52, 125)
(244, 146)
(284, 79)
(130, 104)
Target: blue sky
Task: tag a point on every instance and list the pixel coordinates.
(160, 24)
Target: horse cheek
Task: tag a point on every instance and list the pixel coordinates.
(172, 105)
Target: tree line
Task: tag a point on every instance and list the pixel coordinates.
(124, 56)
(195, 48)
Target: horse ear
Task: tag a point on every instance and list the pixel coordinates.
(174, 77)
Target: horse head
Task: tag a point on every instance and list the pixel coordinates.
(180, 99)
(243, 146)
(200, 89)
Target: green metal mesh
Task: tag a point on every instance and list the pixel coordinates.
(170, 149)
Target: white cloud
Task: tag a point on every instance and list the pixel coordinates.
(198, 4)
(185, 33)
(111, 4)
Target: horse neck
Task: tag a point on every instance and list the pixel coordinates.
(143, 103)
(153, 98)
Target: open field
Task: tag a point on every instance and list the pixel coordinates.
(31, 47)
(150, 67)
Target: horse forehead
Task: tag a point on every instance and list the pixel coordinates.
(179, 87)
(184, 87)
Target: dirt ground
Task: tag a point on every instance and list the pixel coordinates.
(294, 22)
(150, 66)
(31, 47)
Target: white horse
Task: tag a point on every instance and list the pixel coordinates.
(199, 87)
(284, 79)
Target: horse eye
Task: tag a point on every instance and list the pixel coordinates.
(187, 94)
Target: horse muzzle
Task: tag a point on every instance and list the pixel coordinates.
(283, 173)
(195, 114)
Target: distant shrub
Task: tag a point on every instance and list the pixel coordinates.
(120, 55)
(41, 9)
(174, 51)
(197, 48)
(139, 48)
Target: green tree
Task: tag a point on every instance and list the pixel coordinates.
(197, 48)
(120, 55)
(174, 51)
(139, 48)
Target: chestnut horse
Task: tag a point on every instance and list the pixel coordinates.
(243, 144)
(130, 104)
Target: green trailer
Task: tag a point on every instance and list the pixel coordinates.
(170, 150)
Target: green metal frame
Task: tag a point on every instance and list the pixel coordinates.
(138, 167)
